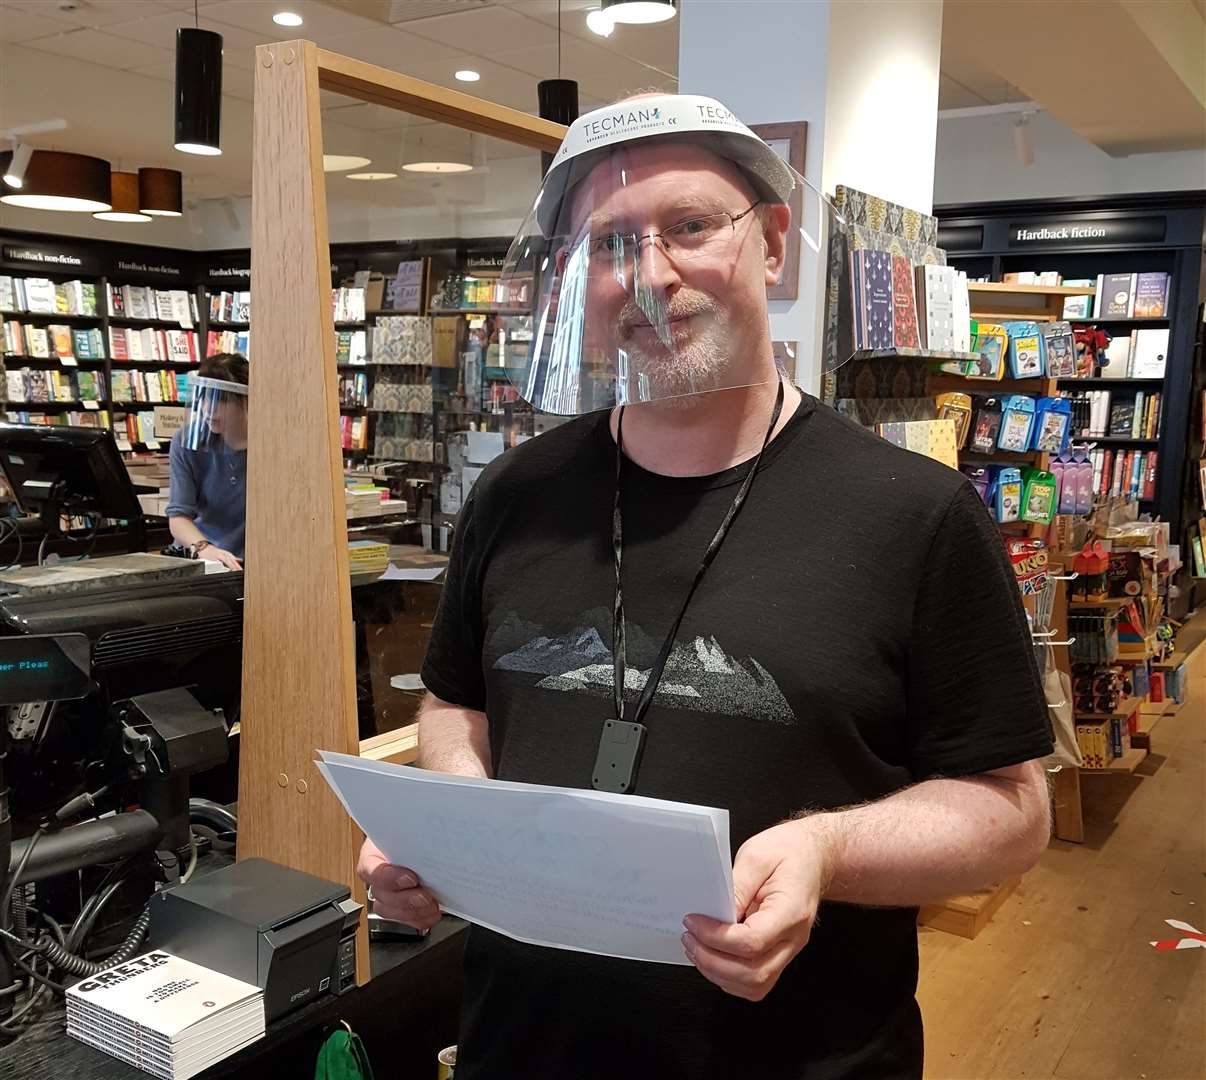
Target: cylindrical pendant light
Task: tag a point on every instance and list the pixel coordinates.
(59, 181)
(558, 102)
(124, 187)
(198, 91)
(160, 192)
(639, 11)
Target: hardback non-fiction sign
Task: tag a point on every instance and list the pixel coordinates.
(52, 257)
(1091, 232)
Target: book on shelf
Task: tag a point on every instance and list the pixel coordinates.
(40, 296)
(904, 305)
(39, 342)
(1127, 474)
(60, 338)
(935, 295)
(88, 344)
(1120, 414)
(94, 418)
(1115, 297)
(8, 294)
(1079, 307)
(230, 306)
(347, 302)
(1151, 295)
(228, 341)
(1149, 353)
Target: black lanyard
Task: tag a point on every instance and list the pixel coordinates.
(622, 742)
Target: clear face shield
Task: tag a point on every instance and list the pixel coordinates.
(646, 268)
(217, 411)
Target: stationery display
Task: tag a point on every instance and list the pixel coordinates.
(1027, 350)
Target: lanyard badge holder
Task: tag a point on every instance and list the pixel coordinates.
(622, 743)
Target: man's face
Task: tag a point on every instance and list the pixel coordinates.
(676, 317)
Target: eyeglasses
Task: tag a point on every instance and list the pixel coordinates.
(689, 239)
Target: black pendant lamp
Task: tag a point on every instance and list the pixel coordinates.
(558, 98)
(198, 90)
(637, 12)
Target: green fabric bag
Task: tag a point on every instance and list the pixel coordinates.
(342, 1057)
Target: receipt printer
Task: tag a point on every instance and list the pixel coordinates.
(290, 933)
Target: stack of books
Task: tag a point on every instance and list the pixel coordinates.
(165, 1015)
(368, 556)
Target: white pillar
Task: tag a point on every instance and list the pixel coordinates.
(863, 74)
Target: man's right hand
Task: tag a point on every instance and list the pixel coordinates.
(397, 893)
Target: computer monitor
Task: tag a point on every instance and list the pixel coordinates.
(54, 470)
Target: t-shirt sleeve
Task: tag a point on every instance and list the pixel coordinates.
(452, 669)
(182, 496)
(975, 699)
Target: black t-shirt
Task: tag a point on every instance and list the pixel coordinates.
(860, 631)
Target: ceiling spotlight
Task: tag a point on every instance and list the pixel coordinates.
(124, 188)
(466, 75)
(343, 162)
(14, 175)
(55, 180)
(600, 22)
(287, 18)
(372, 175)
(639, 11)
(438, 166)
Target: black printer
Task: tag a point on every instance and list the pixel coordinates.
(288, 932)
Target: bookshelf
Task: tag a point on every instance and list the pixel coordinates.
(1136, 234)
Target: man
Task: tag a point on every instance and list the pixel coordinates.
(852, 677)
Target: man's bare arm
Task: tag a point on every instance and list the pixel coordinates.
(453, 739)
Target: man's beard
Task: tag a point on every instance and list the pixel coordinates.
(693, 362)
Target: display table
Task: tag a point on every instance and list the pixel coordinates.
(405, 1014)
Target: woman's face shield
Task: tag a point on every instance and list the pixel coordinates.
(217, 410)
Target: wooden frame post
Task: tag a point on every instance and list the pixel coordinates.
(299, 667)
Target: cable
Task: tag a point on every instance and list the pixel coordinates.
(192, 858)
(60, 958)
(42, 549)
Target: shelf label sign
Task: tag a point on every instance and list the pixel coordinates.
(243, 273)
(168, 420)
(1091, 232)
(135, 267)
(70, 260)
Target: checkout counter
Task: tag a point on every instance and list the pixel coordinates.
(119, 689)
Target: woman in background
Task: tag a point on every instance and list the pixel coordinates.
(207, 509)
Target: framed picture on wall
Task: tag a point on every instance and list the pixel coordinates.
(787, 140)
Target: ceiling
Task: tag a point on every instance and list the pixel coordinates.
(107, 67)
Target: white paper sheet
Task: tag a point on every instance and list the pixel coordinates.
(411, 573)
(581, 870)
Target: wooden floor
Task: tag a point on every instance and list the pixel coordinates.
(1063, 983)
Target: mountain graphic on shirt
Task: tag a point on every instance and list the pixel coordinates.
(699, 674)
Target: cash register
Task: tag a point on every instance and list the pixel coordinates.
(119, 685)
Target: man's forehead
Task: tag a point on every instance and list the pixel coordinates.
(655, 170)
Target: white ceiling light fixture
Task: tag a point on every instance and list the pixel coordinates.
(14, 175)
(287, 18)
(372, 175)
(343, 162)
(599, 22)
(421, 158)
(467, 75)
(640, 12)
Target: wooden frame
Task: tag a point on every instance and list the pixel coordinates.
(299, 673)
(788, 140)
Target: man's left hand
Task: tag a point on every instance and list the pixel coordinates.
(778, 878)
